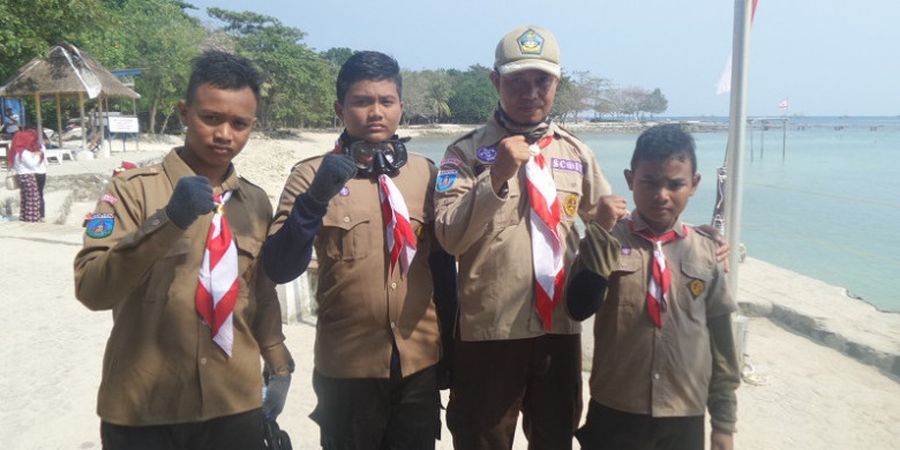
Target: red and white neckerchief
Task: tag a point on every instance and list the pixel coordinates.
(217, 290)
(661, 276)
(399, 237)
(546, 242)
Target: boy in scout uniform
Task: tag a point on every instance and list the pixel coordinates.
(663, 347)
(366, 208)
(172, 249)
(506, 200)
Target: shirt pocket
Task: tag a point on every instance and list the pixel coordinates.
(162, 282)
(347, 237)
(628, 286)
(694, 287)
(248, 249)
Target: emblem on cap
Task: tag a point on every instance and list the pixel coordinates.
(530, 43)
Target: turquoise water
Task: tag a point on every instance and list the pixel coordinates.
(830, 209)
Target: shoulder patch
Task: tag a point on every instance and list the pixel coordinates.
(100, 225)
(445, 180)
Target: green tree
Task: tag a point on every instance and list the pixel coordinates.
(655, 103)
(337, 56)
(473, 96)
(29, 28)
(299, 83)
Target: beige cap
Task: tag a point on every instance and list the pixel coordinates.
(527, 47)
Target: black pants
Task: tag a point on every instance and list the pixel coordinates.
(610, 429)
(376, 413)
(493, 381)
(41, 182)
(242, 431)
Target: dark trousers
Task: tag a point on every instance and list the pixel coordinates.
(494, 380)
(242, 431)
(41, 182)
(610, 429)
(376, 413)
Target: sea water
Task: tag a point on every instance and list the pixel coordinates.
(829, 209)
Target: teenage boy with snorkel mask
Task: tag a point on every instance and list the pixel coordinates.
(366, 208)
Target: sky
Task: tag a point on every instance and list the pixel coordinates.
(827, 57)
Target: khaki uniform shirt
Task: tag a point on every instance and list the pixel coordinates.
(490, 235)
(161, 365)
(363, 304)
(664, 372)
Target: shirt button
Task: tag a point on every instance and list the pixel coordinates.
(202, 360)
(656, 376)
(393, 325)
(155, 222)
(346, 219)
(394, 285)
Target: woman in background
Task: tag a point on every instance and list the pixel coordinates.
(26, 157)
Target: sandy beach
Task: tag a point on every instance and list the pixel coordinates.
(826, 367)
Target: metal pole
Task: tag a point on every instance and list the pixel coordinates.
(59, 129)
(737, 126)
(783, 137)
(83, 123)
(40, 126)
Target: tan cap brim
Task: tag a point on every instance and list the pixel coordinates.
(529, 64)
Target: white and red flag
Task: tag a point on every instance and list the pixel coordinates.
(724, 84)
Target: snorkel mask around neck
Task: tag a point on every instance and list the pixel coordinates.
(375, 158)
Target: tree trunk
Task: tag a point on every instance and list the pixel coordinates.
(153, 107)
(165, 124)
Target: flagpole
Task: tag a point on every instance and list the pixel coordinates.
(736, 131)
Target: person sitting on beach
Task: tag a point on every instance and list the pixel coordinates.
(10, 123)
(663, 345)
(366, 208)
(173, 250)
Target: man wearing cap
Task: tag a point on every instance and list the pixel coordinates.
(507, 197)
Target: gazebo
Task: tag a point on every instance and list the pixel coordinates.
(65, 71)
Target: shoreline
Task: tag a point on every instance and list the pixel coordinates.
(823, 365)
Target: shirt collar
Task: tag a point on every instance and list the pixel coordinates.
(176, 168)
(641, 225)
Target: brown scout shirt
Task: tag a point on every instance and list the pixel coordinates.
(490, 235)
(161, 365)
(363, 304)
(664, 372)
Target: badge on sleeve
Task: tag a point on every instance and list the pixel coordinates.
(445, 180)
(100, 225)
(486, 154)
(697, 287)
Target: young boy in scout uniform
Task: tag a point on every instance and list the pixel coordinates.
(366, 208)
(663, 348)
(172, 249)
(518, 350)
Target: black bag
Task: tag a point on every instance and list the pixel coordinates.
(276, 438)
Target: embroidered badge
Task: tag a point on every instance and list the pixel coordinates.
(109, 198)
(486, 154)
(626, 251)
(445, 180)
(345, 191)
(697, 287)
(567, 164)
(452, 161)
(570, 205)
(100, 225)
(531, 43)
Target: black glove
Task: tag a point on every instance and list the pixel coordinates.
(330, 178)
(192, 198)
